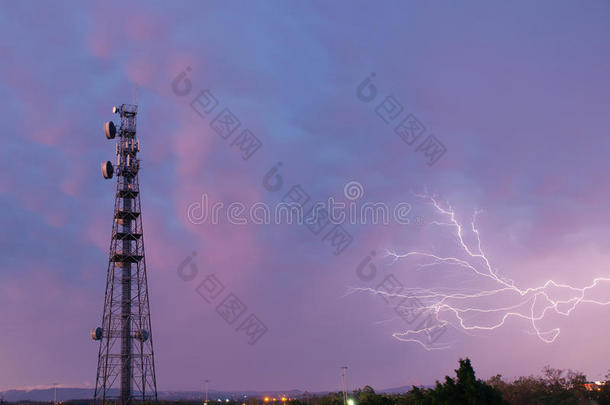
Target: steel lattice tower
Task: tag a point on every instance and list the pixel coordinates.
(126, 356)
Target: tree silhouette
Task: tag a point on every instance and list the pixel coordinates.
(465, 389)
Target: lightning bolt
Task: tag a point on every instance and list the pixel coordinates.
(455, 308)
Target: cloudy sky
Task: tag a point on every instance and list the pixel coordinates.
(517, 95)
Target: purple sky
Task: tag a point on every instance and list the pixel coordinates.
(518, 94)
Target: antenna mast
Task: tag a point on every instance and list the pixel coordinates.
(126, 356)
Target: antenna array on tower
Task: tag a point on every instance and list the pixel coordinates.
(126, 356)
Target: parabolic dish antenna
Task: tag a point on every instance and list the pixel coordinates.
(107, 169)
(110, 129)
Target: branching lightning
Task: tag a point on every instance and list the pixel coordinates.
(463, 309)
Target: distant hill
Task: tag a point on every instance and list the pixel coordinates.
(67, 394)
(63, 394)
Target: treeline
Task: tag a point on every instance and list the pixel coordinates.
(556, 387)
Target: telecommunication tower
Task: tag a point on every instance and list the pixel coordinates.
(126, 356)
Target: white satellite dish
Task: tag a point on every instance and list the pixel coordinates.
(96, 334)
(142, 335)
(107, 170)
(110, 129)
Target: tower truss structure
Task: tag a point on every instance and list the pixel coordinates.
(125, 364)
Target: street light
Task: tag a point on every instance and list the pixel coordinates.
(206, 392)
(344, 381)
